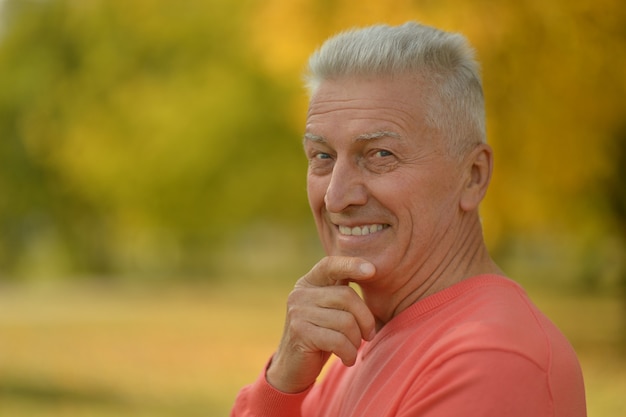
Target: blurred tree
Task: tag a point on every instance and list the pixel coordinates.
(555, 91)
(615, 190)
(136, 135)
(556, 94)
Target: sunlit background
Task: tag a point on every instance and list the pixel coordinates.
(153, 212)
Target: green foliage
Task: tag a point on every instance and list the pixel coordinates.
(136, 135)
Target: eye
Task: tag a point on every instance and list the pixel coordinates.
(322, 155)
(382, 153)
(381, 160)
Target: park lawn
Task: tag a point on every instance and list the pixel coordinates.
(186, 351)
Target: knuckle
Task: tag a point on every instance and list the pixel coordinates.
(343, 322)
(297, 328)
(294, 313)
(345, 292)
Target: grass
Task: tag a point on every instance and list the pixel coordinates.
(187, 351)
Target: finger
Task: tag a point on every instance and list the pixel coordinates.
(333, 270)
(347, 299)
(329, 305)
(337, 343)
(339, 321)
(323, 339)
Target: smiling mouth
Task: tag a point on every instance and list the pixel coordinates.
(361, 230)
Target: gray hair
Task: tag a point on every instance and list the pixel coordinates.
(444, 60)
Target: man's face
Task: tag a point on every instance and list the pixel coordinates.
(380, 183)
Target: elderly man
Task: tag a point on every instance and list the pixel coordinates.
(398, 164)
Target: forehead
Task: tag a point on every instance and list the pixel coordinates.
(356, 106)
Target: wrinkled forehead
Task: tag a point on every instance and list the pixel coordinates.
(365, 105)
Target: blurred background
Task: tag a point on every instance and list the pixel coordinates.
(153, 212)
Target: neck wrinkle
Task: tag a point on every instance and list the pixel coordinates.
(467, 257)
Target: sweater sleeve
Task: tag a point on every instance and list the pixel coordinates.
(263, 400)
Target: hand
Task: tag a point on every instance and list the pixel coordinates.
(324, 316)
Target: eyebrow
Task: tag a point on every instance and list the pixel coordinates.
(313, 138)
(362, 137)
(378, 135)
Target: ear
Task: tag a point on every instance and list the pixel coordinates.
(478, 169)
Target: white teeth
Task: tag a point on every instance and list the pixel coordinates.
(360, 230)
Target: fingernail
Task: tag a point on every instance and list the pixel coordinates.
(367, 268)
(372, 334)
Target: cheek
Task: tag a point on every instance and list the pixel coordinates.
(316, 191)
(419, 202)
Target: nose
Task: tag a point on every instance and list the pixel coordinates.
(346, 187)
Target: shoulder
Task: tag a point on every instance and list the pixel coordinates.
(482, 314)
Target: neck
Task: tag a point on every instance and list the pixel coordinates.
(465, 256)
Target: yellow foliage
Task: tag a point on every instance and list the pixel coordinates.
(553, 76)
(176, 121)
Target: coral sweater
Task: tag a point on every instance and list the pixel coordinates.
(478, 348)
